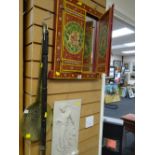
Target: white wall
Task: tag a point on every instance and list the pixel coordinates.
(115, 57)
(130, 60)
(124, 9)
(126, 59)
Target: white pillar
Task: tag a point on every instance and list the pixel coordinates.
(101, 114)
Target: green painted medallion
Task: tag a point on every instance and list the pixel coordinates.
(73, 37)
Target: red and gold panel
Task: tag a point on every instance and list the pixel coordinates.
(70, 59)
(88, 50)
(104, 42)
(57, 37)
(90, 10)
(73, 39)
(74, 9)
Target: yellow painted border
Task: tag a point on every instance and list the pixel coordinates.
(62, 34)
(87, 72)
(87, 11)
(56, 32)
(76, 76)
(79, 71)
(75, 10)
(70, 60)
(75, 5)
(75, 61)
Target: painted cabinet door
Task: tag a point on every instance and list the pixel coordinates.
(73, 38)
(67, 59)
(104, 42)
(82, 41)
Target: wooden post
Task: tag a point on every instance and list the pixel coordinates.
(20, 72)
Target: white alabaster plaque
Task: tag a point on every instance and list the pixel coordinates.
(66, 127)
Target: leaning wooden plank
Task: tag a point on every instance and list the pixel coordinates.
(33, 52)
(34, 148)
(37, 16)
(100, 2)
(33, 68)
(94, 6)
(87, 133)
(34, 35)
(63, 86)
(48, 148)
(89, 109)
(44, 4)
(91, 151)
(88, 144)
(86, 96)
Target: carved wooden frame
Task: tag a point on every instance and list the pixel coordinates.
(56, 71)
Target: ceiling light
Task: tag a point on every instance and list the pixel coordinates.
(118, 46)
(128, 52)
(130, 44)
(122, 32)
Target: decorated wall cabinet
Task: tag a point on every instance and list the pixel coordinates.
(82, 44)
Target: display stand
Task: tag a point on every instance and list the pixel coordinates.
(128, 91)
(111, 91)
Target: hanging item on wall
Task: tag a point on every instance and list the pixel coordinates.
(66, 127)
(82, 41)
(36, 115)
(73, 40)
(69, 44)
(104, 42)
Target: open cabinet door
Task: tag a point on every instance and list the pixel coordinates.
(104, 42)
